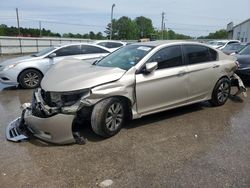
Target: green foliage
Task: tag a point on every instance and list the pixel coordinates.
(221, 34)
(141, 27)
(171, 35)
(28, 32)
(145, 26)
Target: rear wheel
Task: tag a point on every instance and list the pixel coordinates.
(108, 117)
(30, 78)
(221, 92)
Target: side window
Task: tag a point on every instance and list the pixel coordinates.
(92, 50)
(199, 54)
(232, 42)
(104, 44)
(168, 57)
(69, 50)
(116, 45)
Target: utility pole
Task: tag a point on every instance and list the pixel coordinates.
(162, 25)
(40, 28)
(111, 26)
(18, 26)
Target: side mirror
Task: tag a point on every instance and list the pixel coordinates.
(52, 55)
(150, 67)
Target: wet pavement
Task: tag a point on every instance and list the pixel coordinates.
(193, 146)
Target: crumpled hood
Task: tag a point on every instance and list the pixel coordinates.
(17, 60)
(72, 74)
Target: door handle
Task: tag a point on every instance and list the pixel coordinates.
(216, 66)
(182, 73)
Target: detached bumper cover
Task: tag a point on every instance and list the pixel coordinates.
(53, 128)
(56, 129)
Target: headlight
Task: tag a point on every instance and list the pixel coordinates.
(9, 67)
(68, 98)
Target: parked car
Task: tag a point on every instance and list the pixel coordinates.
(132, 82)
(221, 44)
(243, 57)
(111, 44)
(232, 48)
(28, 71)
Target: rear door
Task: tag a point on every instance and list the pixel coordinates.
(203, 70)
(165, 87)
(92, 52)
(68, 51)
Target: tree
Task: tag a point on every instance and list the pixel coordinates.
(145, 26)
(126, 28)
(220, 34)
(91, 35)
(99, 36)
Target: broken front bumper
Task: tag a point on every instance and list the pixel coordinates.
(54, 128)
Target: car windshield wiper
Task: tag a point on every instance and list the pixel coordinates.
(33, 55)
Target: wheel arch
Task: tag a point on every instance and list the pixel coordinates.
(125, 100)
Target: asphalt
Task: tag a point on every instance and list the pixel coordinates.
(193, 146)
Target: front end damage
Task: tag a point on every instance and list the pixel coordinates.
(47, 119)
(57, 117)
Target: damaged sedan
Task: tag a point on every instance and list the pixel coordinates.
(132, 82)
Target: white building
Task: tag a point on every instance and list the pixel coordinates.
(240, 32)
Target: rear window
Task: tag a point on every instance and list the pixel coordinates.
(199, 54)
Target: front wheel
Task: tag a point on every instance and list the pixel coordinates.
(221, 92)
(107, 117)
(30, 78)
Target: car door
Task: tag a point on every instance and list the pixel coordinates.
(67, 51)
(203, 71)
(165, 87)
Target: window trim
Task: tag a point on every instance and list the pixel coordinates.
(186, 57)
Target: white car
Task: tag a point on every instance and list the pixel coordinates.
(28, 71)
(110, 44)
(221, 44)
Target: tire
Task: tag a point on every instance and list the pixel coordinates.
(30, 78)
(108, 117)
(221, 92)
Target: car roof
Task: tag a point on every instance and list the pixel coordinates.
(81, 43)
(170, 42)
(98, 41)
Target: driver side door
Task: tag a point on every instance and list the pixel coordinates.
(165, 87)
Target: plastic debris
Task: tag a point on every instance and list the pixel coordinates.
(106, 183)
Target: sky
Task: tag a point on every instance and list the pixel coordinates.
(190, 17)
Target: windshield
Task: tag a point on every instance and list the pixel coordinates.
(245, 51)
(125, 57)
(43, 52)
(221, 43)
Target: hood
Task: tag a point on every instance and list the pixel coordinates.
(17, 60)
(72, 74)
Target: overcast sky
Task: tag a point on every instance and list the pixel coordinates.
(191, 17)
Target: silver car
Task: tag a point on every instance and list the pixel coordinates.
(28, 71)
(132, 82)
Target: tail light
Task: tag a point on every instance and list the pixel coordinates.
(237, 64)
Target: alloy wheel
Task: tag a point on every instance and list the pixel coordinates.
(114, 116)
